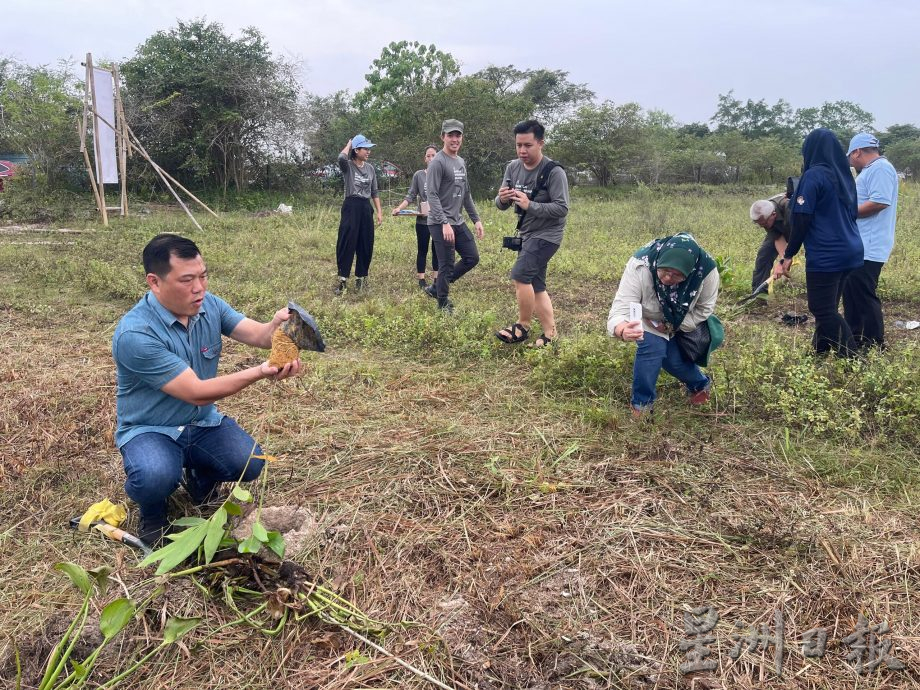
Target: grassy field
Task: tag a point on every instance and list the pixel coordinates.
(498, 498)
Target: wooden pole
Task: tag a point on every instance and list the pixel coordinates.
(159, 171)
(89, 165)
(92, 93)
(120, 138)
(141, 150)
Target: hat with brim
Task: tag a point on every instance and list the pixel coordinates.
(362, 142)
(449, 126)
(863, 140)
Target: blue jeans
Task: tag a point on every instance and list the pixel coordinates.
(154, 463)
(654, 353)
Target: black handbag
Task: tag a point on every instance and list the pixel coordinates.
(695, 344)
(698, 344)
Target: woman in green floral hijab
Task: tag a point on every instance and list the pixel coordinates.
(675, 282)
(680, 253)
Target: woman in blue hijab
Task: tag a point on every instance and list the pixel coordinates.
(824, 220)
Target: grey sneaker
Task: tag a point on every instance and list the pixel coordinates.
(445, 305)
(361, 284)
(341, 288)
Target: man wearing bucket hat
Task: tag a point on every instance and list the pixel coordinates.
(877, 202)
(356, 227)
(448, 191)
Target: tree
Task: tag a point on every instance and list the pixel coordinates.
(753, 118)
(898, 133)
(402, 71)
(553, 96)
(905, 155)
(603, 139)
(207, 105)
(40, 107)
(843, 118)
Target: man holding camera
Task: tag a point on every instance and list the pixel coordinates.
(539, 191)
(448, 191)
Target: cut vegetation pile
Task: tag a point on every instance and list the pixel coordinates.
(495, 505)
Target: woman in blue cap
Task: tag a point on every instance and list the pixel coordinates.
(676, 283)
(824, 220)
(356, 227)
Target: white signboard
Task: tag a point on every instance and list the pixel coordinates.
(103, 122)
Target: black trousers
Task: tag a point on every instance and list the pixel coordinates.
(465, 246)
(423, 239)
(831, 330)
(356, 237)
(862, 308)
(763, 264)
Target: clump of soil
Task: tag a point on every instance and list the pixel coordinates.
(295, 524)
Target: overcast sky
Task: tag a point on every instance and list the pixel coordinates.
(672, 55)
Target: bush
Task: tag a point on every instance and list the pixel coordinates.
(26, 200)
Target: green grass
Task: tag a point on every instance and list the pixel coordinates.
(445, 467)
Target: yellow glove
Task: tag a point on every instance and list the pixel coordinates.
(106, 511)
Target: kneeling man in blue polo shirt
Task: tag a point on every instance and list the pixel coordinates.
(166, 351)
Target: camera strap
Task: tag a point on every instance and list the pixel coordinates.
(547, 168)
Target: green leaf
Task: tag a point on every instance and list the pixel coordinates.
(216, 529)
(171, 555)
(241, 494)
(276, 543)
(115, 617)
(259, 532)
(232, 508)
(250, 545)
(77, 575)
(101, 575)
(79, 670)
(177, 627)
(188, 521)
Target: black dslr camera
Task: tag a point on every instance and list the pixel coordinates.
(513, 242)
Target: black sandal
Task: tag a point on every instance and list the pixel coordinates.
(518, 334)
(542, 341)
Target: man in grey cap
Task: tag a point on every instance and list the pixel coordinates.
(877, 202)
(448, 191)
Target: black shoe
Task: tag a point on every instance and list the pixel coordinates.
(341, 288)
(204, 493)
(422, 283)
(431, 292)
(151, 531)
(361, 284)
(445, 305)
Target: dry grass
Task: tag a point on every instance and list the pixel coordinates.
(529, 547)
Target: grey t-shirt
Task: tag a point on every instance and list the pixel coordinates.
(546, 215)
(419, 188)
(448, 191)
(358, 181)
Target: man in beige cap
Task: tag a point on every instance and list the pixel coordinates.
(448, 191)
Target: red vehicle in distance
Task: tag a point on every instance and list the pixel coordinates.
(7, 169)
